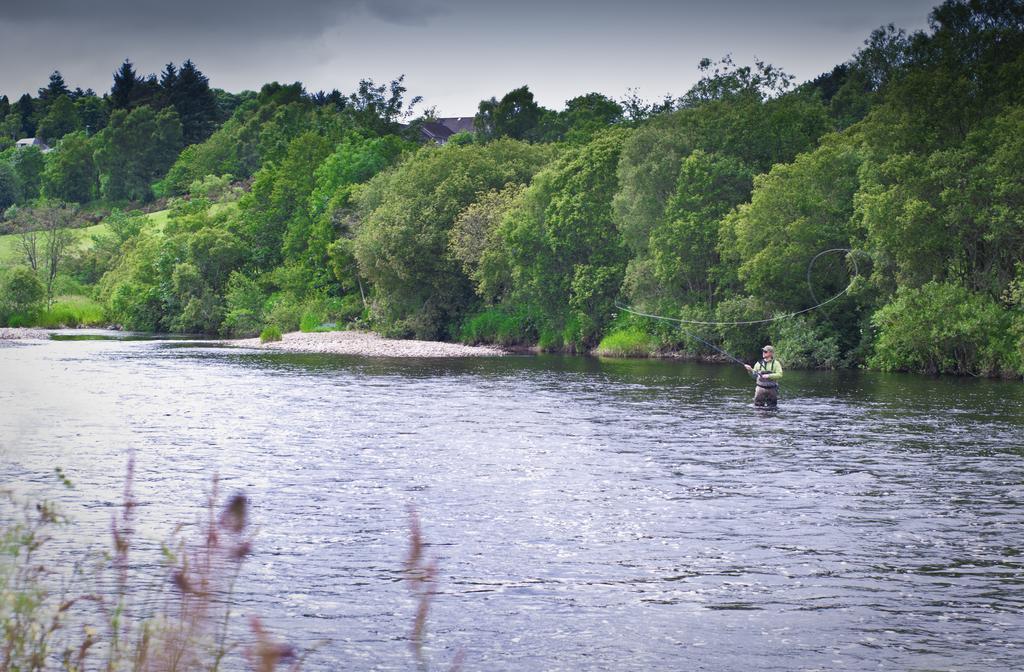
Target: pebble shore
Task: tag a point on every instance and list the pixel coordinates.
(23, 334)
(366, 344)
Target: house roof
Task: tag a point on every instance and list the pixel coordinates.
(30, 142)
(436, 131)
(458, 124)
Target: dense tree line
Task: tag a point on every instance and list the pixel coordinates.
(532, 229)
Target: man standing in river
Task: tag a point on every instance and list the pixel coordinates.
(766, 372)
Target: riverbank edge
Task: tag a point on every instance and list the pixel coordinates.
(371, 344)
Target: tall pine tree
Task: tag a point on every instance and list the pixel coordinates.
(26, 109)
(130, 90)
(195, 103)
(55, 89)
(125, 84)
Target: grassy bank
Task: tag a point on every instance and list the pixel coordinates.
(10, 252)
(628, 342)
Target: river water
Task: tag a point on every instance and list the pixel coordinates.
(583, 514)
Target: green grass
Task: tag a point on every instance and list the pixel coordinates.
(628, 342)
(498, 325)
(72, 311)
(159, 218)
(10, 254)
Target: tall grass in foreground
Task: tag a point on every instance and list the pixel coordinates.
(73, 629)
(119, 630)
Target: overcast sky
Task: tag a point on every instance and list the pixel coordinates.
(453, 52)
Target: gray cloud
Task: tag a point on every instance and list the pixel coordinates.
(405, 13)
(230, 19)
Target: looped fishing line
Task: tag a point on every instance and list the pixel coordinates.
(810, 287)
(810, 267)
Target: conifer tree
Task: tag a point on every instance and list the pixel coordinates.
(195, 103)
(26, 108)
(126, 81)
(55, 89)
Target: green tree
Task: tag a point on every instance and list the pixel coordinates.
(328, 260)
(728, 114)
(797, 210)
(275, 214)
(134, 150)
(475, 242)
(130, 90)
(516, 115)
(93, 112)
(402, 241)
(378, 108)
(47, 238)
(724, 80)
(61, 118)
(190, 94)
(683, 247)
(21, 292)
(244, 300)
(10, 189)
(566, 256)
(10, 129)
(585, 116)
(29, 163)
(70, 172)
(56, 88)
(27, 112)
(952, 214)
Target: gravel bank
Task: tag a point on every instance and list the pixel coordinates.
(23, 334)
(366, 344)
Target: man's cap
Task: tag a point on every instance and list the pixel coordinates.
(768, 348)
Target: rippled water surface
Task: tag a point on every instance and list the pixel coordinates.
(584, 514)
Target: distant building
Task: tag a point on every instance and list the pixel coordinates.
(440, 130)
(33, 142)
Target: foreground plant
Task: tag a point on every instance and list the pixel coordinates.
(421, 577)
(188, 629)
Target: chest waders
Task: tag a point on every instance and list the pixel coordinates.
(767, 391)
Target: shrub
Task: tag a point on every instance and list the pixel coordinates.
(311, 322)
(212, 187)
(741, 339)
(805, 345)
(21, 293)
(245, 300)
(943, 328)
(283, 311)
(501, 325)
(549, 341)
(629, 342)
(270, 334)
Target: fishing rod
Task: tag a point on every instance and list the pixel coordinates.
(810, 267)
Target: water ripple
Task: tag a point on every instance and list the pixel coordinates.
(584, 514)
